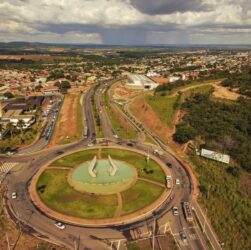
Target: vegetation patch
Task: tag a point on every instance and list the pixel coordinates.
(224, 126)
(119, 124)
(59, 196)
(227, 201)
(146, 169)
(139, 196)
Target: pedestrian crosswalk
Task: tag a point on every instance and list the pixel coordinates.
(5, 167)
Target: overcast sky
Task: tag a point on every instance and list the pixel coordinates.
(128, 22)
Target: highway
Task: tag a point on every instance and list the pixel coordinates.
(23, 212)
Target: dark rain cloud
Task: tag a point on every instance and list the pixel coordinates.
(160, 7)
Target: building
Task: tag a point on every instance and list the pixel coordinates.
(174, 78)
(50, 90)
(141, 82)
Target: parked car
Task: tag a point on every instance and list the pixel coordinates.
(177, 181)
(59, 225)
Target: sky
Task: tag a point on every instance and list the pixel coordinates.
(126, 22)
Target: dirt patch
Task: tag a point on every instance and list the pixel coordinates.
(224, 93)
(121, 92)
(66, 130)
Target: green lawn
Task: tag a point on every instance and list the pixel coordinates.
(164, 106)
(153, 172)
(75, 159)
(56, 193)
(228, 203)
(139, 196)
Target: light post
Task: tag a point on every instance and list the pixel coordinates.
(204, 224)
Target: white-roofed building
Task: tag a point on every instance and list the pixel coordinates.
(141, 82)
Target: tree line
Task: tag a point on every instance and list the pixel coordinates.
(225, 127)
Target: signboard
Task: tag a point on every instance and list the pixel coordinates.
(215, 156)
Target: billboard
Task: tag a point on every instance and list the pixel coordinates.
(215, 156)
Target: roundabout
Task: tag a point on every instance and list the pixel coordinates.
(99, 180)
(100, 186)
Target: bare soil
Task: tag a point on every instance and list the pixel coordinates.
(144, 113)
(66, 127)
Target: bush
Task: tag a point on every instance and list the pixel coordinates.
(184, 133)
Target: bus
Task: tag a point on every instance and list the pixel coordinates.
(85, 132)
(187, 211)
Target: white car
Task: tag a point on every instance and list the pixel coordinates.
(59, 225)
(177, 182)
(175, 211)
(90, 145)
(14, 195)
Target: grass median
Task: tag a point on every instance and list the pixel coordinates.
(58, 195)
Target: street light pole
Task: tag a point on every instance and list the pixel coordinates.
(204, 225)
(8, 243)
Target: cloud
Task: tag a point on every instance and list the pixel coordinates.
(124, 21)
(159, 7)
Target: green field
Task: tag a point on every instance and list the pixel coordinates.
(75, 159)
(153, 170)
(139, 196)
(56, 193)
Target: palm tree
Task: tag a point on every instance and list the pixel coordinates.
(20, 125)
(10, 127)
(1, 130)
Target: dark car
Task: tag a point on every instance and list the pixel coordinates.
(169, 164)
(183, 236)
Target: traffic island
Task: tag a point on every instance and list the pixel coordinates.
(100, 186)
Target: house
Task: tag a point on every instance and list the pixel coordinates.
(50, 90)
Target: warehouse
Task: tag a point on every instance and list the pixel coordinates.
(140, 82)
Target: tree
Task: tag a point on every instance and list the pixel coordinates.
(184, 133)
(10, 127)
(38, 87)
(1, 130)
(20, 125)
(8, 95)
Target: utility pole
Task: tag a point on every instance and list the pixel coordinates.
(204, 224)
(153, 236)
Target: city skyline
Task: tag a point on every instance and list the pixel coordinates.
(126, 22)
